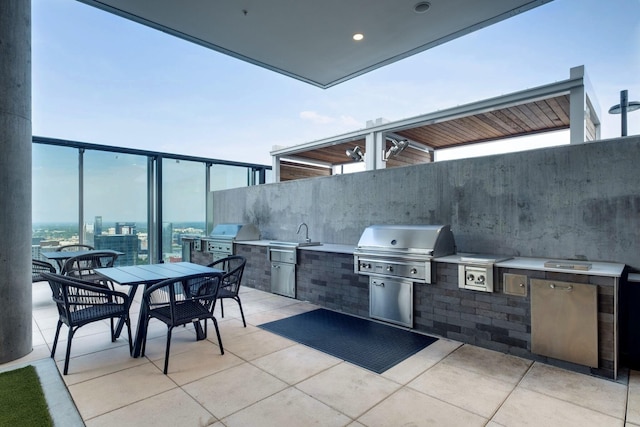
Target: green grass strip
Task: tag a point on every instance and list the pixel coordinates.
(22, 401)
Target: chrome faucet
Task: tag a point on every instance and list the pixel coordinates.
(307, 239)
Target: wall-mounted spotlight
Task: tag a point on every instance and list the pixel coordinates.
(396, 148)
(356, 154)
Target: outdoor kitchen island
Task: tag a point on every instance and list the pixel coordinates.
(500, 320)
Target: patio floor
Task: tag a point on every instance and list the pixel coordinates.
(266, 380)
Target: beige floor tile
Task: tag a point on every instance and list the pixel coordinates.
(272, 302)
(233, 389)
(202, 360)
(231, 328)
(257, 344)
(258, 319)
(468, 390)
(410, 408)
(415, 365)
(594, 393)
(633, 404)
(290, 407)
(348, 388)
(88, 344)
(529, 408)
(83, 368)
(152, 412)
(182, 339)
(491, 363)
(296, 363)
(107, 393)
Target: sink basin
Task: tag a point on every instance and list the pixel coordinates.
(294, 244)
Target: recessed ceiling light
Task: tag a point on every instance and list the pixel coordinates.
(421, 7)
(358, 36)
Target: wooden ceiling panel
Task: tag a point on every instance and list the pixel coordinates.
(517, 120)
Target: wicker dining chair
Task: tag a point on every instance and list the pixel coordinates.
(233, 266)
(75, 248)
(38, 267)
(80, 302)
(83, 266)
(180, 301)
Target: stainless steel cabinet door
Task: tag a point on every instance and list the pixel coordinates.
(283, 279)
(564, 321)
(391, 300)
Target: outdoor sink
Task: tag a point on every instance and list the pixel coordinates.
(294, 244)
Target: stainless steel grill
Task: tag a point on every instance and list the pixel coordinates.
(395, 257)
(221, 239)
(402, 251)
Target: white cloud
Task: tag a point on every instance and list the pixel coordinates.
(316, 118)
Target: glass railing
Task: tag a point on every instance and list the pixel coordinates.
(138, 202)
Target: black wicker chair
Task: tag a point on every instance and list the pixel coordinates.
(38, 267)
(80, 303)
(233, 266)
(75, 248)
(83, 266)
(181, 301)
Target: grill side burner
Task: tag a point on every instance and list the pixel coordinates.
(475, 272)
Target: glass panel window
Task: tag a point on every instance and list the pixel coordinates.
(115, 204)
(183, 205)
(54, 198)
(224, 177)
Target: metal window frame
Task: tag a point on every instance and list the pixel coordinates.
(154, 184)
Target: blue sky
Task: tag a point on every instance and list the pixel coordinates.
(102, 79)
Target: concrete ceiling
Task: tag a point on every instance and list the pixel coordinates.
(312, 40)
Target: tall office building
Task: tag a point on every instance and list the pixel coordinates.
(97, 226)
(167, 238)
(127, 243)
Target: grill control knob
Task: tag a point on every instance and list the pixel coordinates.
(470, 277)
(414, 271)
(481, 278)
(389, 268)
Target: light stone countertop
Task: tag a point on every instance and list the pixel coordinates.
(608, 269)
(324, 247)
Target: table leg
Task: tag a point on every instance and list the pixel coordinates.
(200, 335)
(132, 293)
(140, 334)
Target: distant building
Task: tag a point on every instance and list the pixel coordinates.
(126, 228)
(97, 226)
(127, 243)
(167, 237)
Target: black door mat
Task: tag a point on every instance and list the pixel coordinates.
(371, 345)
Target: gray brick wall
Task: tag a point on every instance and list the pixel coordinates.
(495, 320)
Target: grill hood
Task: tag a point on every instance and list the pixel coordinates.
(235, 232)
(427, 240)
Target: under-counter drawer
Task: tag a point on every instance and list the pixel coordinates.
(564, 321)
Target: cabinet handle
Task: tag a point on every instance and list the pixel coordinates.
(561, 288)
(381, 284)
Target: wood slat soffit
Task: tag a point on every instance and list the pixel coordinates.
(544, 115)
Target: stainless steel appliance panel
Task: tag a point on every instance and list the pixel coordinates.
(564, 321)
(391, 300)
(283, 279)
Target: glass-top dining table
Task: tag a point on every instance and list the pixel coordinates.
(149, 274)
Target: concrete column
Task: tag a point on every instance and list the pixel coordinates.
(15, 179)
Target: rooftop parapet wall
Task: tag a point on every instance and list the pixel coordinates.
(575, 201)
